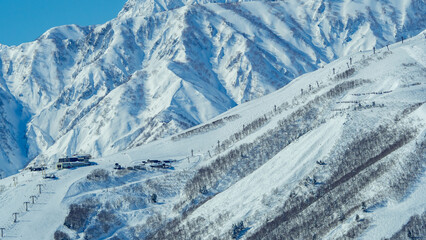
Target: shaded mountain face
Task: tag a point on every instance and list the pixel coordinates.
(13, 117)
(164, 66)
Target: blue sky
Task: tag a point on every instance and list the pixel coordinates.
(25, 20)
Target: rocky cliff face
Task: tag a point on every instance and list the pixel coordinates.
(163, 66)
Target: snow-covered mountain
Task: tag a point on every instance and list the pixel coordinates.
(328, 156)
(164, 66)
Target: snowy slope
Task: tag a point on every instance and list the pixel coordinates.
(12, 129)
(288, 191)
(301, 162)
(164, 66)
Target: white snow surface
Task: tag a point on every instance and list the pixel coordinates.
(164, 66)
(398, 74)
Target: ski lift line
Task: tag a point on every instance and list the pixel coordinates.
(15, 214)
(22, 211)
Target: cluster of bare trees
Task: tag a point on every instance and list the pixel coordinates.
(206, 127)
(345, 74)
(91, 218)
(309, 216)
(102, 224)
(59, 235)
(99, 174)
(100, 219)
(413, 229)
(78, 215)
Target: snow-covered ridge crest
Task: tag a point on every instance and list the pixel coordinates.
(67, 32)
(147, 7)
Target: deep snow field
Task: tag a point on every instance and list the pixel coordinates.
(388, 89)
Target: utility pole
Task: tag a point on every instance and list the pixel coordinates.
(15, 181)
(39, 188)
(1, 231)
(32, 199)
(43, 171)
(26, 206)
(15, 214)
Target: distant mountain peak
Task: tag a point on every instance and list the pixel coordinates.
(65, 32)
